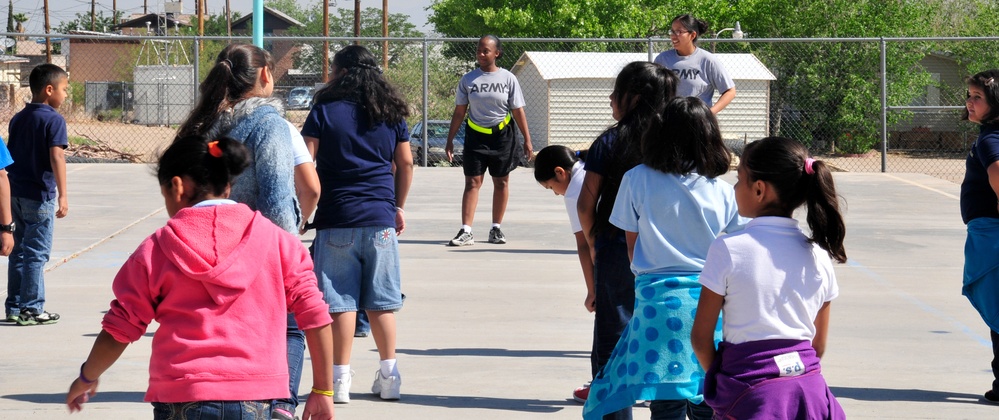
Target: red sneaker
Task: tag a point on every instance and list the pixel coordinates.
(581, 394)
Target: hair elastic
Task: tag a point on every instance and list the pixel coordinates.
(84, 378)
(369, 67)
(214, 149)
(226, 62)
(990, 81)
(808, 166)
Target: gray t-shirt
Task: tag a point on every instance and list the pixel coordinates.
(700, 73)
(489, 96)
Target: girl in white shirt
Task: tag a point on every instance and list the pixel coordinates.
(774, 285)
(560, 169)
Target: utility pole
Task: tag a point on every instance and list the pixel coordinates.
(145, 7)
(48, 40)
(93, 12)
(201, 17)
(228, 19)
(385, 34)
(114, 12)
(326, 42)
(357, 20)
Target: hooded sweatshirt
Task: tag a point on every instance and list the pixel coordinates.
(219, 280)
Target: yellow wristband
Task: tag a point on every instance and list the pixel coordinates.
(322, 392)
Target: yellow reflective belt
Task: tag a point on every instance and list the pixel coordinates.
(485, 130)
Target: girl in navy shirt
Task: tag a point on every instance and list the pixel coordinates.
(357, 133)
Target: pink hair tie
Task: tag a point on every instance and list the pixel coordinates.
(808, 166)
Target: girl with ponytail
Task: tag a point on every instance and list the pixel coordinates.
(215, 272)
(281, 181)
(774, 284)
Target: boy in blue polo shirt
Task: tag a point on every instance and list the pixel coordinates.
(37, 139)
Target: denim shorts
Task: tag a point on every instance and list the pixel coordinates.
(238, 410)
(358, 268)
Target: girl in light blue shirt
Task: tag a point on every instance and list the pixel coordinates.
(671, 208)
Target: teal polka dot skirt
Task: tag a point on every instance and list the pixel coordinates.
(653, 360)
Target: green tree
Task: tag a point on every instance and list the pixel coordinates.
(82, 22)
(837, 85)
(10, 16)
(841, 81)
(310, 57)
(566, 19)
(215, 25)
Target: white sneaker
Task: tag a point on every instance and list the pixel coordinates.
(463, 238)
(387, 388)
(341, 388)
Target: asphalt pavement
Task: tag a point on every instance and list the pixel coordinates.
(499, 331)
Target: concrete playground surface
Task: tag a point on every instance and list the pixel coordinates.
(499, 331)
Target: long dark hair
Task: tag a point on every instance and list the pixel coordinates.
(691, 24)
(650, 86)
(229, 81)
(555, 156)
(988, 82)
(784, 164)
(362, 83)
(210, 165)
(685, 137)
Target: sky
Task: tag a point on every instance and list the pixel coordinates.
(60, 10)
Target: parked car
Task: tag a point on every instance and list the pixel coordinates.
(436, 140)
(300, 98)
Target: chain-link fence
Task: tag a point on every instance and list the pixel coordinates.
(862, 104)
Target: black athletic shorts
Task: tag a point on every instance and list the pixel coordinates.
(496, 152)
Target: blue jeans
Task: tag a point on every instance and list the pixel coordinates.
(34, 222)
(680, 410)
(207, 410)
(362, 323)
(358, 268)
(614, 285)
(296, 358)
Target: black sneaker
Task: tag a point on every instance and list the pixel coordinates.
(463, 238)
(31, 318)
(992, 397)
(496, 236)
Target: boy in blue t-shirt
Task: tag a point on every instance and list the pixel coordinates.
(37, 139)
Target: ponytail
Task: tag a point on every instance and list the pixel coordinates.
(824, 218)
(229, 81)
(211, 165)
(799, 180)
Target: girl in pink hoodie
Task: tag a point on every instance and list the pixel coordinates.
(212, 278)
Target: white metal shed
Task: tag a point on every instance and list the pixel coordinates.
(568, 95)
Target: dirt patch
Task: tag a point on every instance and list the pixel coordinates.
(120, 141)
